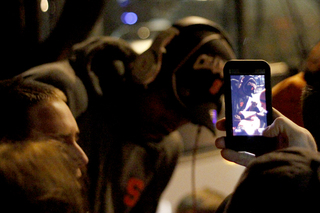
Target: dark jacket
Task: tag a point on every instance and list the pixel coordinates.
(125, 173)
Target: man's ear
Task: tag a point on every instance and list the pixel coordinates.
(147, 66)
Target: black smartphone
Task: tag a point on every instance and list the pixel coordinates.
(248, 105)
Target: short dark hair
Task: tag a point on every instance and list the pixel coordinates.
(18, 95)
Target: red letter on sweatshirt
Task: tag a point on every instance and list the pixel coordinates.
(134, 189)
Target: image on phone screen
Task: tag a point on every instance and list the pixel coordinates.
(248, 101)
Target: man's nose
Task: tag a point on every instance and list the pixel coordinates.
(82, 158)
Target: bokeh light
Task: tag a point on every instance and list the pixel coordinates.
(129, 18)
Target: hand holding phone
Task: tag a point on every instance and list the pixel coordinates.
(248, 105)
(288, 134)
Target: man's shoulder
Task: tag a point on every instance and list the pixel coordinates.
(61, 69)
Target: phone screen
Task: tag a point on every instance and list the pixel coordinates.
(248, 100)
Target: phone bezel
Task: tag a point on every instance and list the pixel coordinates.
(253, 144)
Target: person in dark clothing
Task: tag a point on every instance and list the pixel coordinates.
(311, 93)
(298, 97)
(135, 105)
(282, 181)
(242, 89)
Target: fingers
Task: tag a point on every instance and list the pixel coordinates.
(220, 143)
(290, 134)
(275, 129)
(287, 132)
(276, 113)
(244, 158)
(241, 158)
(221, 124)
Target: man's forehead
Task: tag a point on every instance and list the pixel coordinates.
(52, 117)
(50, 108)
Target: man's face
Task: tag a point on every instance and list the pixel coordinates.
(54, 120)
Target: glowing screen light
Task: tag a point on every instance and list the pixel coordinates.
(129, 18)
(44, 5)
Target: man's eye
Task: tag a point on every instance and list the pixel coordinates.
(65, 139)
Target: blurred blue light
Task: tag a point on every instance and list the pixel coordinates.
(123, 3)
(214, 116)
(129, 18)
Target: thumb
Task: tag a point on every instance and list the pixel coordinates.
(275, 129)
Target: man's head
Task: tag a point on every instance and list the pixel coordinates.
(34, 110)
(247, 85)
(187, 60)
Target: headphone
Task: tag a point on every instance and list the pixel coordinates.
(174, 54)
(148, 65)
